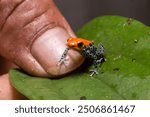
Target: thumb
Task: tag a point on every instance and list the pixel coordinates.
(33, 35)
(48, 49)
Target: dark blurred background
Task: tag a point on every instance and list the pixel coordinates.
(79, 12)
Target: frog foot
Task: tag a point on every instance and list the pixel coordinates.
(62, 61)
(93, 72)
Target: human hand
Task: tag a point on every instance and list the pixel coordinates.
(33, 36)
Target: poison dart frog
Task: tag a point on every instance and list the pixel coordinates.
(87, 50)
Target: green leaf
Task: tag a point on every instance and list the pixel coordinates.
(125, 74)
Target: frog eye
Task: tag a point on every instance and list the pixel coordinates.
(72, 46)
(80, 44)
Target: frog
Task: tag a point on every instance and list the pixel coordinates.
(88, 50)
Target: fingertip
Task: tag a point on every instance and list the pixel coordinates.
(48, 49)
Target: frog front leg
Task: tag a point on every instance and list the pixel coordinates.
(63, 57)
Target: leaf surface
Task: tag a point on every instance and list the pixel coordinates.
(125, 74)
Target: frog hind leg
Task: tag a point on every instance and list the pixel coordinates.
(93, 72)
(97, 63)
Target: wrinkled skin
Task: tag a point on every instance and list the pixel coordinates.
(33, 34)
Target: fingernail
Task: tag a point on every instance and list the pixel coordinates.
(48, 49)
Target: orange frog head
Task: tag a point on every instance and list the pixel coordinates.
(77, 43)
